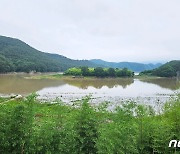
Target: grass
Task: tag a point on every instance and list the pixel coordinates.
(30, 126)
(3, 99)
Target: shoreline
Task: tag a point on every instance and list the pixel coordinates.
(59, 75)
(153, 102)
(69, 77)
(54, 75)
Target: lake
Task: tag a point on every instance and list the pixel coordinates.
(148, 91)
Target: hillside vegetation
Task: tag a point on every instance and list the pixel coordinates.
(169, 69)
(27, 126)
(18, 56)
(136, 67)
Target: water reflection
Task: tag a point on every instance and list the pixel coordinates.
(17, 84)
(130, 87)
(168, 83)
(99, 83)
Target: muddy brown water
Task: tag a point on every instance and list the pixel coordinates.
(148, 91)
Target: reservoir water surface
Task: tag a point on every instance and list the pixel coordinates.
(148, 91)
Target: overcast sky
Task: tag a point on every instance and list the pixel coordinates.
(113, 30)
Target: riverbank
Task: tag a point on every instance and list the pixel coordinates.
(60, 75)
(54, 127)
(70, 77)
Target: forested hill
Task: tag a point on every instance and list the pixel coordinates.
(18, 56)
(137, 67)
(169, 69)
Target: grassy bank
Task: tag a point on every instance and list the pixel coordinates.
(29, 126)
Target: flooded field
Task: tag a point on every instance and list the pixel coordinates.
(148, 91)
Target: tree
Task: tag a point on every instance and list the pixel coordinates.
(73, 71)
(111, 72)
(85, 71)
(99, 72)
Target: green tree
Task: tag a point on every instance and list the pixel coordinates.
(111, 72)
(86, 130)
(99, 72)
(85, 71)
(73, 71)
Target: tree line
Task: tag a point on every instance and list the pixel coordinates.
(99, 72)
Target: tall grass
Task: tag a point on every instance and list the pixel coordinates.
(29, 126)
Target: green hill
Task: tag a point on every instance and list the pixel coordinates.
(136, 67)
(169, 69)
(18, 56)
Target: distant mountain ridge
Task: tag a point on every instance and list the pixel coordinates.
(17, 56)
(137, 67)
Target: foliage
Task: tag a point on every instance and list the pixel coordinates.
(85, 71)
(111, 72)
(99, 72)
(169, 69)
(73, 71)
(86, 129)
(5, 65)
(165, 71)
(29, 126)
(124, 72)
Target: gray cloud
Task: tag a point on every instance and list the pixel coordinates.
(114, 30)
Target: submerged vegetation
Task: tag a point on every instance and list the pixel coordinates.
(99, 72)
(30, 126)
